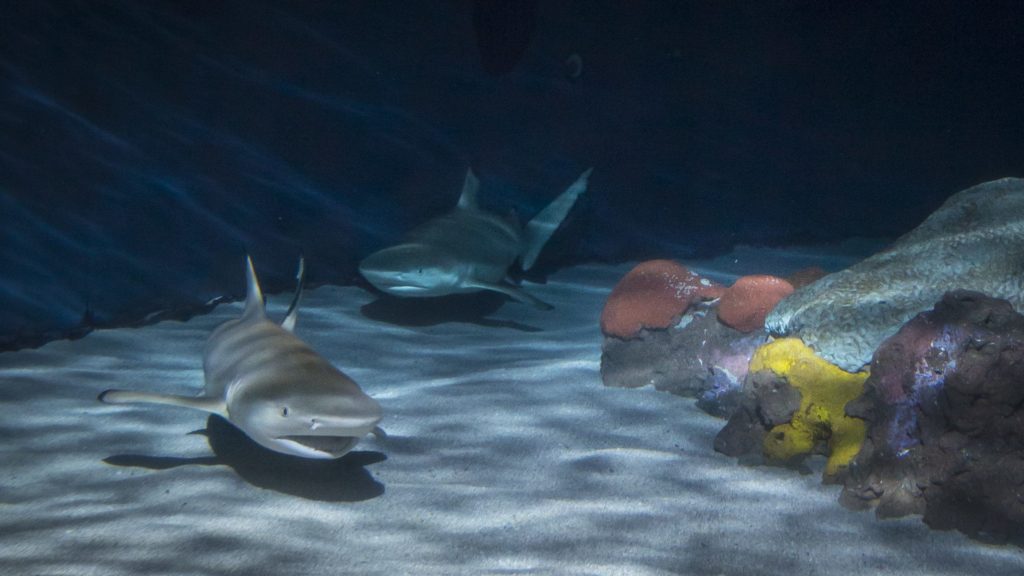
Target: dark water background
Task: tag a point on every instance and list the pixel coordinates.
(145, 147)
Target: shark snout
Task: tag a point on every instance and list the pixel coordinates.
(374, 272)
(359, 418)
(380, 270)
(327, 435)
(411, 270)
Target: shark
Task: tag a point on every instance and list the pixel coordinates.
(274, 387)
(468, 249)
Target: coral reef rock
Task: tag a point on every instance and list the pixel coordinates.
(699, 357)
(793, 406)
(653, 295)
(974, 241)
(766, 401)
(745, 304)
(944, 406)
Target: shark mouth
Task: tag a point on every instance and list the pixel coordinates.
(401, 287)
(395, 285)
(326, 446)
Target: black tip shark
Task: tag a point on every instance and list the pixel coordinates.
(274, 387)
(468, 249)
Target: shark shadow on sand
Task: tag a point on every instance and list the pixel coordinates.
(458, 308)
(343, 480)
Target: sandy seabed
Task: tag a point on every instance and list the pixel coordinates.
(504, 455)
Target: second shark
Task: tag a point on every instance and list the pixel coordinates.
(468, 249)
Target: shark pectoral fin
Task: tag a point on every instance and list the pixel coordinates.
(204, 403)
(513, 292)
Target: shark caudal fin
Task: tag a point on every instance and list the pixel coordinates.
(206, 404)
(254, 296)
(467, 200)
(293, 308)
(543, 225)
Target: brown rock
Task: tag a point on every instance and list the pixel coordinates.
(944, 410)
(698, 357)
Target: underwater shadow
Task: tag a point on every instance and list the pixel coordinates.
(343, 480)
(465, 308)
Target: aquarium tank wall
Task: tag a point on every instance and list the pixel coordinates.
(147, 146)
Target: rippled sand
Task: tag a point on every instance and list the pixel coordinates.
(505, 454)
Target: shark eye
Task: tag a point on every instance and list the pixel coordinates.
(284, 411)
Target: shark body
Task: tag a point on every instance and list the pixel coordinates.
(273, 386)
(468, 249)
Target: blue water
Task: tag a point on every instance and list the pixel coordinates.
(144, 147)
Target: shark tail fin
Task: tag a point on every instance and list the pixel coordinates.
(543, 225)
(467, 201)
(254, 296)
(206, 404)
(293, 308)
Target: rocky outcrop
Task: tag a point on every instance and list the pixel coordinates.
(944, 407)
(792, 406)
(667, 327)
(699, 357)
(766, 401)
(974, 241)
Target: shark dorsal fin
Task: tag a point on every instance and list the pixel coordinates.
(293, 309)
(543, 225)
(254, 296)
(467, 201)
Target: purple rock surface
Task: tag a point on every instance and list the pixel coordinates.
(945, 413)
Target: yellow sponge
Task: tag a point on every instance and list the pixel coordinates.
(825, 390)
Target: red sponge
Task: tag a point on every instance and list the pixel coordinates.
(654, 294)
(745, 304)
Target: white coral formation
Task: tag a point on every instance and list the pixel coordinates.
(974, 241)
